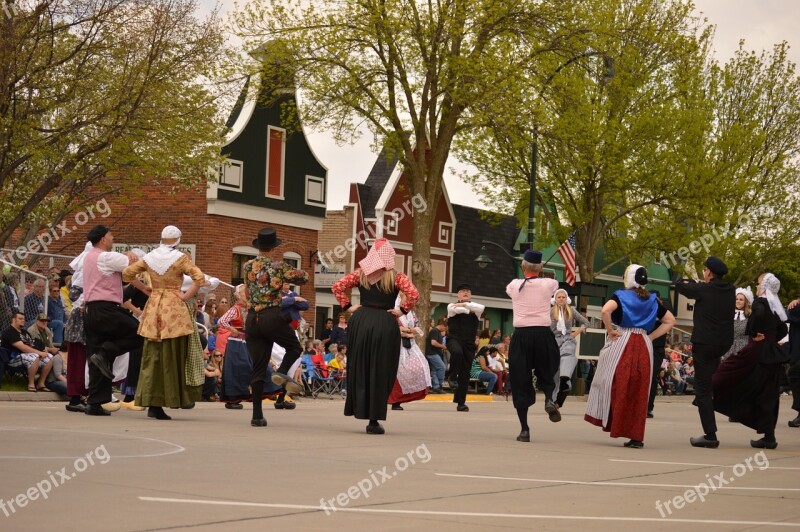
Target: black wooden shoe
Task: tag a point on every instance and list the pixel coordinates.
(397, 406)
(552, 411)
(375, 429)
(635, 444)
(462, 408)
(260, 422)
(703, 442)
(524, 436)
(795, 422)
(763, 444)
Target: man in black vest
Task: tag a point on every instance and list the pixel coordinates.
(794, 358)
(712, 336)
(463, 319)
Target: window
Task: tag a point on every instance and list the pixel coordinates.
(230, 175)
(276, 153)
(315, 191)
(391, 223)
(399, 263)
(293, 259)
(439, 272)
(445, 230)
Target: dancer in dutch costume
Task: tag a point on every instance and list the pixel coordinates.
(413, 372)
(744, 302)
(373, 344)
(563, 318)
(621, 386)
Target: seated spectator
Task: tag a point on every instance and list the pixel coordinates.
(42, 335)
(34, 301)
(688, 371)
(334, 348)
(56, 313)
(499, 366)
(57, 378)
(662, 382)
(497, 337)
(337, 366)
(676, 378)
(17, 340)
(320, 365)
(212, 373)
(480, 368)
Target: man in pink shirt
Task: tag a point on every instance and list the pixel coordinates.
(533, 345)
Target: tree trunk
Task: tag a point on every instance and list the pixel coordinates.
(421, 273)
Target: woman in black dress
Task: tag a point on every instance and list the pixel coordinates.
(373, 346)
(746, 385)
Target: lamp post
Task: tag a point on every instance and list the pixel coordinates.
(483, 259)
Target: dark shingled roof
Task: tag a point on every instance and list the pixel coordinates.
(470, 230)
(370, 192)
(237, 109)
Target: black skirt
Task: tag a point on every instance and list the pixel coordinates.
(373, 354)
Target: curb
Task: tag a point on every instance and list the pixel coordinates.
(30, 396)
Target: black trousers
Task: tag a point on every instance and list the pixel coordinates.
(461, 354)
(658, 357)
(706, 362)
(113, 328)
(794, 384)
(533, 350)
(263, 329)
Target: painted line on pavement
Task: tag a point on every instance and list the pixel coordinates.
(470, 514)
(618, 484)
(692, 463)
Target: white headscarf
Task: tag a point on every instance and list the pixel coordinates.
(560, 324)
(165, 255)
(748, 296)
(630, 276)
(769, 287)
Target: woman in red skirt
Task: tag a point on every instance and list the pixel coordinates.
(621, 386)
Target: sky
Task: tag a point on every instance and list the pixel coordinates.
(761, 23)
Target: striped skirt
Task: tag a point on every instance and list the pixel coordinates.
(621, 385)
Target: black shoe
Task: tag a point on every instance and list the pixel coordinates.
(635, 444)
(525, 436)
(285, 405)
(188, 406)
(98, 360)
(437, 391)
(552, 411)
(462, 408)
(731, 419)
(291, 385)
(763, 444)
(795, 422)
(96, 410)
(375, 429)
(76, 408)
(703, 442)
(397, 406)
(260, 422)
(650, 415)
(156, 412)
(234, 406)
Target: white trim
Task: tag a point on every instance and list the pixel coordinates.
(452, 214)
(388, 189)
(283, 163)
(353, 232)
(221, 174)
(292, 255)
(443, 226)
(245, 250)
(321, 181)
(245, 114)
(402, 258)
(259, 214)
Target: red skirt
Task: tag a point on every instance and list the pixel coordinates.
(397, 395)
(630, 392)
(76, 369)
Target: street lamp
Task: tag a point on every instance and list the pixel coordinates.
(483, 259)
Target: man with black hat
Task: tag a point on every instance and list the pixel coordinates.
(463, 319)
(712, 336)
(266, 325)
(533, 345)
(111, 330)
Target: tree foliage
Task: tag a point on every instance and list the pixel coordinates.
(97, 96)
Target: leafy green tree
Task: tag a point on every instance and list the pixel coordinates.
(97, 96)
(415, 73)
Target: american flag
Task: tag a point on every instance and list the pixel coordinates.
(567, 252)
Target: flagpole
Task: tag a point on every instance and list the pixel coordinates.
(551, 256)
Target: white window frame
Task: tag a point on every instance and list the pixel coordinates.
(321, 181)
(444, 272)
(391, 216)
(446, 230)
(221, 175)
(283, 166)
(291, 255)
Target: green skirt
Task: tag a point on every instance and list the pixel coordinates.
(162, 379)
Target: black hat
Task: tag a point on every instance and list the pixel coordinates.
(96, 233)
(640, 276)
(716, 265)
(463, 286)
(267, 239)
(532, 256)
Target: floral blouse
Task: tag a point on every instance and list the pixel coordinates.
(264, 279)
(352, 279)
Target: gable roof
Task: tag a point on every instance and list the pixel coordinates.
(470, 230)
(370, 191)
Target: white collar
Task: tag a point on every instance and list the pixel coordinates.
(162, 258)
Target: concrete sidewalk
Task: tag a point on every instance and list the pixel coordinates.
(314, 469)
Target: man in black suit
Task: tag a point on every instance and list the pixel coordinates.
(712, 336)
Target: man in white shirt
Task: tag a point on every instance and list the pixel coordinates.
(463, 319)
(533, 345)
(111, 330)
